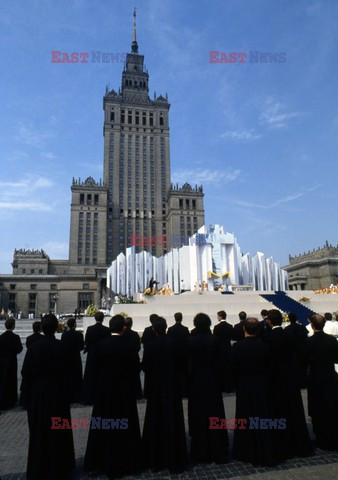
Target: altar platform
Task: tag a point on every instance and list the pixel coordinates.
(191, 303)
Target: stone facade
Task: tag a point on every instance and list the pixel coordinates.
(314, 270)
(88, 223)
(141, 200)
(185, 213)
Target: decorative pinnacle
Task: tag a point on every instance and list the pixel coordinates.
(134, 46)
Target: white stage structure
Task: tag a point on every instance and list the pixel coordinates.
(212, 256)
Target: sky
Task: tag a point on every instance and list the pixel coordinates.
(262, 138)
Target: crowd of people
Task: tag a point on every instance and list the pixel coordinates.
(264, 364)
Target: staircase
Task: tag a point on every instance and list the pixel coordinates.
(287, 304)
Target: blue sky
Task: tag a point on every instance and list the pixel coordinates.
(262, 138)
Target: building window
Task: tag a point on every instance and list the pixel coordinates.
(81, 198)
(23, 270)
(181, 202)
(32, 303)
(194, 204)
(96, 199)
(53, 286)
(40, 270)
(32, 270)
(11, 301)
(89, 199)
(33, 286)
(84, 300)
(12, 286)
(85, 286)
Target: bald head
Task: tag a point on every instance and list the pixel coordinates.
(250, 326)
(317, 322)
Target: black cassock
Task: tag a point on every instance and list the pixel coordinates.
(134, 339)
(51, 451)
(94, 334)
(323, 389)
(115, 451)
(300, 333)
(250, 360)
(29, 341)
(148, 334)
(73, 342)
(10, 347)
(205, 399)
(286, 398)
(33, 338)
(224, 331)
(163, 441)
(238, 332)
(180, 334)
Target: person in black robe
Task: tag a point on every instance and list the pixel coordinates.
(323, 385)
(224, 332)
(250, 360)
(73, 342)
(51, 449)
(147, 336)
(205, 396)
(36, 335)
(148, 333)
(134, 339)
(163, 440)
(10, 347)
(299, 334)
(94, 334)
(180, 334)
(238, 331)
(115, 450)
(264, 326)
(286, 399)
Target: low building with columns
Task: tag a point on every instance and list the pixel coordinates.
(314, 270)
(39, 285)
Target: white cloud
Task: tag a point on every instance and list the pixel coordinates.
(274, 115)
(205, 176)
(31, 136)
(56, 249)
(240, 135)
(24, 187)
(278, 202)
(25, 194)
(31, 206)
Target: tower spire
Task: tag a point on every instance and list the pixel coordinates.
(134, 46)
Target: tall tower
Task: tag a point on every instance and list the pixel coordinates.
(136, 158)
